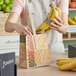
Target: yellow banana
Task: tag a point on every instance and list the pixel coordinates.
(71, 22)
(43, 26)
(59, 11)
(74, 69)
(74, 18)
(57, 14)
(48, 29)
(46, 24)
(68, 66)
(63, 59)
(68, 23)
(64, 62)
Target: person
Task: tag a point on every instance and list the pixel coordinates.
(39, 10)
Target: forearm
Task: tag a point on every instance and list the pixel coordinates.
(65, 21)
(11, 22)
(10, 27)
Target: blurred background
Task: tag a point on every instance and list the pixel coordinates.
(70, 37)
(10, 41)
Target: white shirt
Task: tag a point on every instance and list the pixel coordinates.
(40, 10)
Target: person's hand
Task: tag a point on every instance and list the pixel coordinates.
(58, 25)
(23, 30)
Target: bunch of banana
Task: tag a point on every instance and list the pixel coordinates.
(74, 18)
(45, 26)
(67, 64)
(72, 22)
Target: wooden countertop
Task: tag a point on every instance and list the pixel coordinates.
(51, 70)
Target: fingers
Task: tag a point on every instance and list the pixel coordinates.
(59, 19)
(30, 30)
(22, 32)
(26, 31)
(57, 22)
(54, 26)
